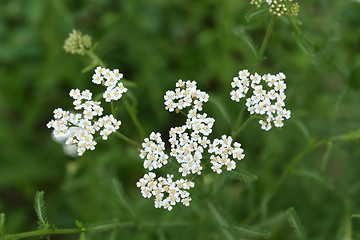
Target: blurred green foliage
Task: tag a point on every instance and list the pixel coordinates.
(154, 43)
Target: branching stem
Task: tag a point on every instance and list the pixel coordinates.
(126, 139)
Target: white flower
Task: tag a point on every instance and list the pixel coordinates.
(161, 187)
(78, 129)
(153, 152)
(222, 150)
(185, 95)
(263, 102)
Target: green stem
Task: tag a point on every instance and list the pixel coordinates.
(257, 63)
(237, 132)
(290, 167)
(134, 117)
(126, 139)
(99, 228)
(239, 117)
(113, 111)
(95, 58)
(42, 233)
(265, 42)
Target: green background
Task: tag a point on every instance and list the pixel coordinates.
(154, 43)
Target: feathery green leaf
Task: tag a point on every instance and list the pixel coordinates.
(355, 215)
(123, 201)
(2, 225)
(296, 224)
(246, 39)
(256, 13)
(252, 232)
(242, 175)
(326, 155)
(40, 210)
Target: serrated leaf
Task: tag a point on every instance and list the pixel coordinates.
(296, 224)
(242, 175)
(246, 39)
(252, 232)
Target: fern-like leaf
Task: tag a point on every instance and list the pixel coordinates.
(242, 175)
(2, 225)
(295, 223)
(257, 13)
(41, 210)
(304, 47)
(252, 233)
(246, 39)
(123, 200)
(355, 215)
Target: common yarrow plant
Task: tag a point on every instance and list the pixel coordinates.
(172, 167)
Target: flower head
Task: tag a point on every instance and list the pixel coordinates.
(267, 99)
(166, 191)
(80, 127)
(185, 95)
(77, 43)
(187, 145)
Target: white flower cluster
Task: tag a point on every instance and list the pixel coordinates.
(187, 145)
(166, 191)
(263, 102)
(79, 128)
(222, 150)
(110, 79)
(184, 96)
(153, 151)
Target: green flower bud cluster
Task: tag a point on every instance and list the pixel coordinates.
(77, 43)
